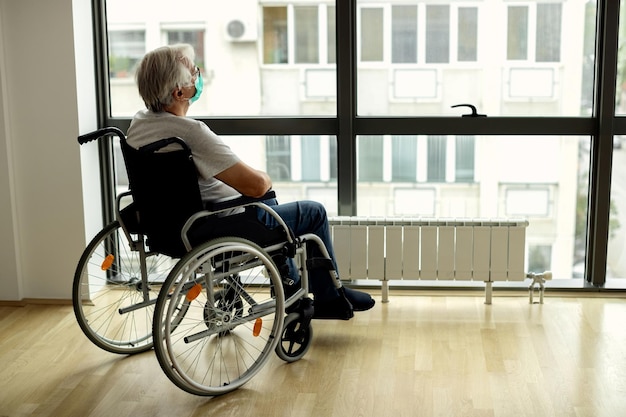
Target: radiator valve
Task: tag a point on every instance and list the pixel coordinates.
(539, 279)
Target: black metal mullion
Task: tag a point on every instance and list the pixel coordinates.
(346, 106)
(602, 143)
(105, 150)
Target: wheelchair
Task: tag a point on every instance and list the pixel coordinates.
(213, 309)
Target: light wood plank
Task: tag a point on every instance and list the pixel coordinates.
(419, 355)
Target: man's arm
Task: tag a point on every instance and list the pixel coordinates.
(245, 179)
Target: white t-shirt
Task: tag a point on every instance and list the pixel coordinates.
(210, 154)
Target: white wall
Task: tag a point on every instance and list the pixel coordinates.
(9, 286)
(42, 216)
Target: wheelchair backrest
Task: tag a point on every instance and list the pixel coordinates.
(164, 186)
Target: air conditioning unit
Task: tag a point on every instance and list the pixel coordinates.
(241, 30)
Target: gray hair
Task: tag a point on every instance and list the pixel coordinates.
(161, 71)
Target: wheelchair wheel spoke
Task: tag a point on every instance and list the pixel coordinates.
(229, 328)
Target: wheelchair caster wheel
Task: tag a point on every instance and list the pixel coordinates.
(295, 339)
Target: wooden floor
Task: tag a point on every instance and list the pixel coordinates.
(423, 355)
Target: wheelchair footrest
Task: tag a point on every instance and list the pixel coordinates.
(319, 263)
(306, 310)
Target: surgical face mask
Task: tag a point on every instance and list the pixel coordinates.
(198, 84)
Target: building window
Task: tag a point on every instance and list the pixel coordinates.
(370, 158)
(306, 35)
(332, 145)
(278, 151)
(437, 34)
(548, 43)
(331, 35)
(311, 158)
(126, 48)
(419, 33)
(299, 35)
(404, 158)
(193, 37)
(416, 159)
(464, 159)
(372, 37)
(404, 34)
(546, 38)
(517, 36)
(467, 41)
(437, 151)
(275, 37)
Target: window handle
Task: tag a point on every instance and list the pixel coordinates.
(473, 113)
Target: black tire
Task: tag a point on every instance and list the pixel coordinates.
(232, 303)
(112, 304)
(295, 339)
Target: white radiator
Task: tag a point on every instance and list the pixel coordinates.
(430, 249)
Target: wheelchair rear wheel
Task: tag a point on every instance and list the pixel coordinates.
(113, 304)
(219, 316)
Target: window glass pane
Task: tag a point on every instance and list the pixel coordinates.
(275, 41)
(371, 34)
(468, 34)
(548, 44)
(311, 158)
(419, 58)
(301, 167)
(126, 48)
(437, 34)
(404, 34)
(370, 158)
(194, 38)
(539, 258)
(489, 177)
(256, 59)
(333, 158)
(620, 99)
(331, 35)
(437, 147)
(278, 157)
(403, 158)
(307, 35)
(616, 251)
(517, 39)
(464, 159)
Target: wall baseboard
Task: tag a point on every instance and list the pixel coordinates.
(34, 301)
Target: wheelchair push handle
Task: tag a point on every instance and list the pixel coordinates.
(88, 137)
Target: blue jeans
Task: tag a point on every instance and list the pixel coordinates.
(307, 217)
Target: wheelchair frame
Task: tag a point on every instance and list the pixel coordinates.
(216, 316)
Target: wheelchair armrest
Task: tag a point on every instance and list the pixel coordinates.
(242, 201)
(238, 201)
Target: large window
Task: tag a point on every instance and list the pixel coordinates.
(388, 141)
